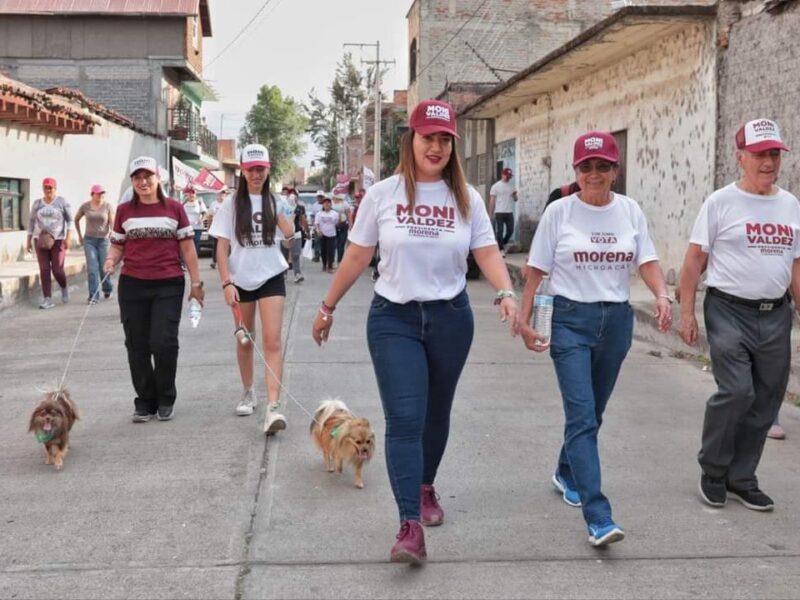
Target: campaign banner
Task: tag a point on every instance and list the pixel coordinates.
(369, 178)
(182, 174)
(207, 180)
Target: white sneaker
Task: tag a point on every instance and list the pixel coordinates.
(298, 278)
(504, 253)
(46, 303)
(274, 420)
(247, 404)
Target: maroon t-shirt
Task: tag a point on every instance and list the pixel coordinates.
(149, 236)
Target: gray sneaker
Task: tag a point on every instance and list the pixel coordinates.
(165, 413)
(65, 295)
(247, 404)
(274, 420)
(46, 303)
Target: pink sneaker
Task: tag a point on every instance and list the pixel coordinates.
(431, 514)
(776, 432)
(410, 545)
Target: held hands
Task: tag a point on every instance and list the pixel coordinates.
(663, 314)
(688, 329)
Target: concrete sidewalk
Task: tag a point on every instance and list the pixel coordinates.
(204, 507)
(19, 280)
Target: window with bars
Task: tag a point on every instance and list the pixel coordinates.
(482, 179)
(10, 204)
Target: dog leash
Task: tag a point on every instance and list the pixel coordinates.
(92, 301)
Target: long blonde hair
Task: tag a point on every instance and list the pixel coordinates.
(453, 174)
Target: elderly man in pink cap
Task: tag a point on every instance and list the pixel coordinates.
(747, 240)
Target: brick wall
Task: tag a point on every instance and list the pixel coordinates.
(759, 76)
(664, 96)
(508, 34)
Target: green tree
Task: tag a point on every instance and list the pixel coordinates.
(279, 123)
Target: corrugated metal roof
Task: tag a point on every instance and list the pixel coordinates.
(118, 7)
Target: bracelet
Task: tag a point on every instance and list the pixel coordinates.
(198, 284)
(325, 308)
(668, 298)
(502, 294)
(325, 315)
(226, 283)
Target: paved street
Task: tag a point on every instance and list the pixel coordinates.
(204, 507)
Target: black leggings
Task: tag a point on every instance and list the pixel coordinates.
(327, 251)
(150, 311)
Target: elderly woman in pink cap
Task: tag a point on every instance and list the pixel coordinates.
(99, 220)
(589, 243)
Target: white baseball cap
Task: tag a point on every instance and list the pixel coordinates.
(144, 162)
(760, 135)
(255, 155)
(321, 193)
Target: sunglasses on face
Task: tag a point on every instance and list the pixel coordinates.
(602, 167)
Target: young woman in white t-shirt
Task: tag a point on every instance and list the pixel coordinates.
(251, 225)
(420, 324)
(588, 243)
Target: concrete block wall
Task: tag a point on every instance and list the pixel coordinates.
(665, 97)
(759, 76)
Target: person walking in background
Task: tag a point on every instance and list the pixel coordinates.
(301, 228)
(196, 211)
(747, 237)
(49, 234)
(340, 206)
(151, 233)
(325, 224)
(589, 243)
(502, 196)
(251, 225)
(212, 210)
(420, 324)
(315, 208)
(99, 221)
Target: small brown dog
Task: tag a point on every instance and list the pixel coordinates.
(51, 421)
(342, 437)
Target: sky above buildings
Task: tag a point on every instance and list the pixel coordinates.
(294, 44)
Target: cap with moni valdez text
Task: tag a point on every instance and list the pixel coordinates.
(144, 162)
(255, 155)
(760, 135)
(595, 144)
(433, 116)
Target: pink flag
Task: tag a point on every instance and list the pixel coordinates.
(208, 180)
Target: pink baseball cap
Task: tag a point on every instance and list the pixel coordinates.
(49, 182)
(595, 144)
(98, 189)
(433, 116)
(189, 188)
(255, 155)
(760, 135)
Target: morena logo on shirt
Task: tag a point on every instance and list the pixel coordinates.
(769, 238)
(593, 143)
(603, 260)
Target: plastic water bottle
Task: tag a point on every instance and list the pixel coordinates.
(543, 310)
(195, 312)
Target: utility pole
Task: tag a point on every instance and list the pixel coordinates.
(376, 152)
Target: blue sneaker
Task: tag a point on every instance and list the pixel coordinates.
(604, 532)
(570, 496)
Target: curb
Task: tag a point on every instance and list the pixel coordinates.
(21, 288)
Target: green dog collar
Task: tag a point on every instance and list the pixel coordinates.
(43, 436)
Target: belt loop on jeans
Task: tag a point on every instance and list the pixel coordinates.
(763, 305)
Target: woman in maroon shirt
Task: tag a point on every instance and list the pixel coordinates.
(152, 232)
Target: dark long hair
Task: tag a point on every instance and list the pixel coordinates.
(453, 174)
(243, 211)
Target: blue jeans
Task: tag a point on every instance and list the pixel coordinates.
(418, 351)
(95, 250)
(588, 344)
(198, 233)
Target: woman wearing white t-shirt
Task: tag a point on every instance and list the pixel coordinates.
(589, 242)
(196, 211)
(420, 324)
(251, 225)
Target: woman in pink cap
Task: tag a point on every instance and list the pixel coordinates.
(99, 220)
(420, 325)
(49, 233)
(589, 243)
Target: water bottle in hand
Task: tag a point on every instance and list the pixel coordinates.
(543, 311)
(195, 312)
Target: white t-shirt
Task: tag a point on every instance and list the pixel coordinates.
(589, 250)
(751, 241)
(503, 193)
(253, 264)
(214, 207)
(195, 210)
(327, 221)
(424, 254)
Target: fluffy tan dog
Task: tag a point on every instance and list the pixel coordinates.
(51, 421)
(342, 437)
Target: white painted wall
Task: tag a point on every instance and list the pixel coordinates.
(76, 161)
(665, 97)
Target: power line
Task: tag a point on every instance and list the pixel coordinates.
(241, 32)
(455, 35)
